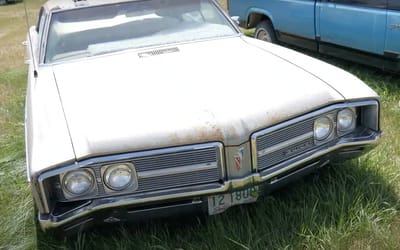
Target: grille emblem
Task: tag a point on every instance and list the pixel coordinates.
(239, 159)
(298, 148)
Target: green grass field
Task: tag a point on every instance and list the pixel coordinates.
(354, 205)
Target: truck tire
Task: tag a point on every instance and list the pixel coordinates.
(265, 32)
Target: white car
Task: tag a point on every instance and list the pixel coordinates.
(139, 109)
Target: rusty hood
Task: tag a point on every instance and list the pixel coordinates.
(221, 90)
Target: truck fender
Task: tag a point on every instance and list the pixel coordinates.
(256, 15)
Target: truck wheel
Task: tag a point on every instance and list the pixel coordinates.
(265, 32)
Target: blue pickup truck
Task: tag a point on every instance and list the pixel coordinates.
(365, 31)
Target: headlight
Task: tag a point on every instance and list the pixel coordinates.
(322, 128)
(345, 119)
(78, 182)
(119, 177)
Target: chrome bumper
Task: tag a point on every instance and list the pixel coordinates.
(344, 148)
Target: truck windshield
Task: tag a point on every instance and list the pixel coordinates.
(103, 29)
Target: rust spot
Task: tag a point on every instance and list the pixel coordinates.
(197, 135)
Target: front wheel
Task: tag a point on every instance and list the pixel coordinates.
(265, 32)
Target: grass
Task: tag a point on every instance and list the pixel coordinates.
(353, 205)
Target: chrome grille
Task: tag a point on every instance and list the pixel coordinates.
(179, 167)
(176, 169)
(164, 169)
(285, 134)
(180, 159)
(280, 143)
(178, 180)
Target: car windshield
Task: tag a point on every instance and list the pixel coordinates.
(103, 29)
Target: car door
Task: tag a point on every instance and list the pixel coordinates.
(392, 43)
(357, 24)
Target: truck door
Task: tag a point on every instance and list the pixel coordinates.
(358, 24)
(392, 43)
(294, 17)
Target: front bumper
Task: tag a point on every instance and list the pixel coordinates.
(191, 199)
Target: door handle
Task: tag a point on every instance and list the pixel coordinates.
(394, 26)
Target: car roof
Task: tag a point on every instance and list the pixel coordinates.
(55, 5)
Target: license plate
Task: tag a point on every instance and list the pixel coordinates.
(220, 202)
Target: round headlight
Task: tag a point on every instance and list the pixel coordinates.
(322, 128)
(118, 177)
(78, 182)
(345, 119)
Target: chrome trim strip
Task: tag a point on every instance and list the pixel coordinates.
(277, 180)
(193, 202)
(43, 196)
(284, 144)
(370, 139)
(76, 208)
(177, 170)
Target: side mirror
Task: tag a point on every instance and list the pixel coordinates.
(236, 19)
